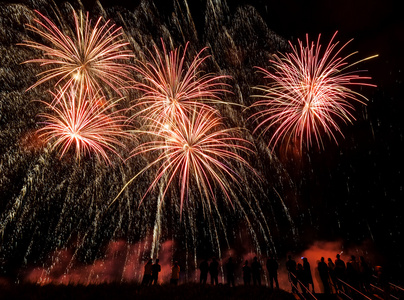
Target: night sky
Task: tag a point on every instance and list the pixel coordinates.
(362, 176)
(370, 158)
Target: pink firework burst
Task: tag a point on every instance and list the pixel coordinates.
(170, 87)
(198, 150)
(309, 92)
(83, 123)
(92, 57)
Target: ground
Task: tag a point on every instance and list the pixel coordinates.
(130, 291)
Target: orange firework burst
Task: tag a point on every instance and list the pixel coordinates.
(83, 123)
(91, 56)
(198, 149)
(173, 88)
(308, 93)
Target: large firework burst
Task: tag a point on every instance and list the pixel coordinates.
(198, 149)
(170, 87)
(92, 56)
(83, 123)
(308, 94)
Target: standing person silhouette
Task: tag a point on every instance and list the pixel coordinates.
(256, 271)
(339, 271)
(301, 277)
(175, 273)
(365, 274)
(352, 271)
(147, 272)
(323, 272)
(272, 267)
(156, 269)
(307, 273)
(214, 271)
(291, 267)
(204, 268)
(331, 271)
(230, 267)
(246, 273)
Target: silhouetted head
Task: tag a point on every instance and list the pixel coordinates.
(338, 256)
(353, 257)
(176, 263)
(299, 266)
(361, 258)
(329, 259)
(150, 261)
(246, 262)
(304, 259)
(289, 257)
(322, 259)
(230, 259)
(157, 261)
(255, 258)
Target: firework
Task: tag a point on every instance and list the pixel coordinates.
(171, 88)
(308, 94)
(199, 149)
(83, 123)
(92, 57)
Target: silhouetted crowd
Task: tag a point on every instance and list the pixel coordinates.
(335, 275)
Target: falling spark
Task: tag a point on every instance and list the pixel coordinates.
(199, 149)
(83, 123)
(171, 88)
(308, 93)
(92, 57)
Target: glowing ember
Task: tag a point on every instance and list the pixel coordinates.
(84, 122)
(171, 88)
(308, 93)
(199, 149)
(92, 56)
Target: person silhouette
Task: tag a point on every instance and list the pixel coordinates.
(256, 271)
(230, 267)
(156, 269)
(304, 286)
(323, 272)
(339, 271)
(331, 271)
(214, 271)
(147, 272)
(272, 267)
(307, 273)
(246, 273)
(365, 275)
(175, 273)
(352, 270)
(291, 267)
(204, 268)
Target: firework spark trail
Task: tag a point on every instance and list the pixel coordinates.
(198, 149)
(308, 93)
(93, 55)
(170, 88)
(84, 122)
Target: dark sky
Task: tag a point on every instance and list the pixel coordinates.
(377, 27)
(374, 167)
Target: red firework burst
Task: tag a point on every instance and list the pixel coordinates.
(200, 149)
(92, 57)
(308, 93)
(83, 123)
(171, 87)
